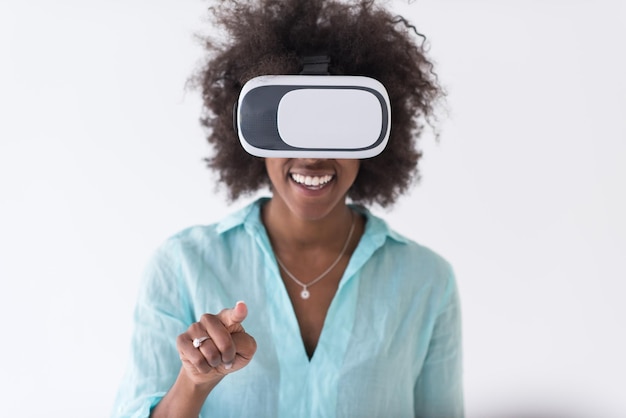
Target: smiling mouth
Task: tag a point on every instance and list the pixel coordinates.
(312, 182)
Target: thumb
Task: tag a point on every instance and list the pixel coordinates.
(235, 315)
(239, 312)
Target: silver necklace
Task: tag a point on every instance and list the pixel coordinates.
(304, 294)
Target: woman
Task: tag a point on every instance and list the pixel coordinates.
(343, 316)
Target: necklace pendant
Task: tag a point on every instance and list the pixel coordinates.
(305, 293)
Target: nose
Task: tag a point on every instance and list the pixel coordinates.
(313, 161)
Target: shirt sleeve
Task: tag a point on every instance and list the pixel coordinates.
(439, 388)
(161, 314)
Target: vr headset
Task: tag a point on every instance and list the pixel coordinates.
(313, 116)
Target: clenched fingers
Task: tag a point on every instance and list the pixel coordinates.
(220, 347)
(225, 345)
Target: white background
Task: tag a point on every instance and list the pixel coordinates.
(101, 160)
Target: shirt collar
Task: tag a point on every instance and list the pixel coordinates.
(376, 229)
(248, 215)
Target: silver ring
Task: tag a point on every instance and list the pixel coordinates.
(197, 342)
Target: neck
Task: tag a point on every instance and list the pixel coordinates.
(290, 232)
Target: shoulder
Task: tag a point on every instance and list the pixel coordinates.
(424, 258)
(189, 243)
(213, 239)
(409, 265)
(401, 248)
(198, 255)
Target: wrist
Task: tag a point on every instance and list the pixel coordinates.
(186, 397)
(198, 386)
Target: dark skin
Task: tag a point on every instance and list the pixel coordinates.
(306, 263)
(307, 225)
(229, 349)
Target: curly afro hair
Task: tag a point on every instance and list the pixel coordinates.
(361, 38)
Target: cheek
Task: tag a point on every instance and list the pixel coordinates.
(273, 168)
(352, 169)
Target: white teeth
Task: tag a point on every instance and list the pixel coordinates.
(315, 181)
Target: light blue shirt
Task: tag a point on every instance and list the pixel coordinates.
(390, 346)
